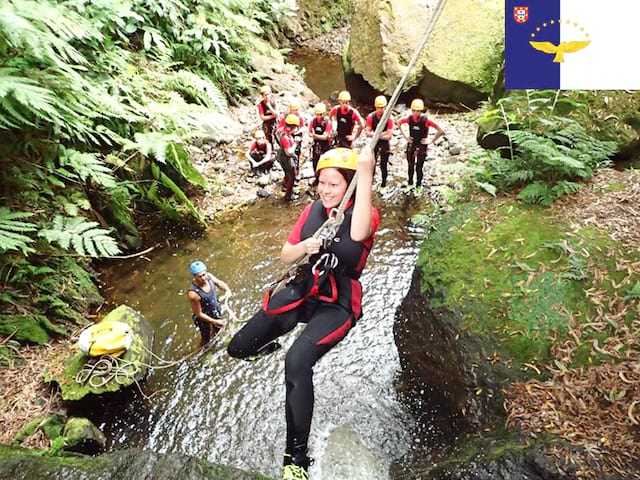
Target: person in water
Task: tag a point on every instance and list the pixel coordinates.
(382, 149)
(347, 123)
(325, 293)
(206, 307)
(418, 141)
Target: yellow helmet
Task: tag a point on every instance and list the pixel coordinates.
(344, 96)
(320, 109)
(417, 104)
(259, 134)
(294, 104)
(265, 89)
(338, 158)
(292, 119)
(380, 101)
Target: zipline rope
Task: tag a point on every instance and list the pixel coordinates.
(327, 231)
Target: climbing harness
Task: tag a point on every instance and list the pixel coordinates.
(307, 282)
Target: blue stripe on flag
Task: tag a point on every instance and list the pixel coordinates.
(526, 67)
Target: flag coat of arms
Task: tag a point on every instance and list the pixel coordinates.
(571, 44)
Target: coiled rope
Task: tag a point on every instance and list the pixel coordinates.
(107, 368)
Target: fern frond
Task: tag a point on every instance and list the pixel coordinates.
(12, 230)
(87, 165)
(537, 193)
(81, 235)
(199, 89)
(45, 31)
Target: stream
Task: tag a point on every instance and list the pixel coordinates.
(231, 411)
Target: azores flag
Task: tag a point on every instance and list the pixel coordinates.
(572, 44)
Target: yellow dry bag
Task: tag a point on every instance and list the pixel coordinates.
(106, 338)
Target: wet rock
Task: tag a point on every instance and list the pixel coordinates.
(264, 180)
(19, 463)
(455, 150)
(460, 62)
(82, 436)
(263, 193)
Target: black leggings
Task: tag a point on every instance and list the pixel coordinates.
(327, 324)
(382, 152)
(416, 161)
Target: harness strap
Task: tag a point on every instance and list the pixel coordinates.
(325, 265)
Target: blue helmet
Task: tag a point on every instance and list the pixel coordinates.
(197, 267)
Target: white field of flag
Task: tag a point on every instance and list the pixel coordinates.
(611, 60)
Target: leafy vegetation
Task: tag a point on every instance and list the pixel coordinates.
(98, 103)
(547, 151)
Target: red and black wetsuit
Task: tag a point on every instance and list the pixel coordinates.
(345, 123)
(382, 149)
(416, 150)
(320, 146)
(329, 316)
(289, 163)
(269, 126)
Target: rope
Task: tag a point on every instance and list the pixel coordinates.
(329, 228)
(108, 368)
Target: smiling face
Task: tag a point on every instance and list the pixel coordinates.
(331, 187)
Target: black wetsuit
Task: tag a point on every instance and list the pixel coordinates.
(210, 306)
(382, 149)
(329, 315)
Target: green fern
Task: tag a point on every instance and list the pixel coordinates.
(537, 193)
(12, 231)
(197, 88)
(86, 166)
(82, 236)
(167, 182)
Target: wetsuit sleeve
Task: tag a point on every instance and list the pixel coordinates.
(253, 146)
(375, 221)
(370, 121)
(285, 142)
(429, 123)
(328, 127)
(403, 120)
(296, 233)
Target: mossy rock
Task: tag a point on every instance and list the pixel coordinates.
(133, 363)
(81, 435)
(19, 463)
(462, 59)
(51, 425)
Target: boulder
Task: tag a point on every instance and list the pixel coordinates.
(130, 367)
(82, 436)
(462, 58)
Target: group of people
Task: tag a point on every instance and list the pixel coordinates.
(324, 292)
(281, 136)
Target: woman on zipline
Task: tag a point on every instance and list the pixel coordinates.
(325, 292)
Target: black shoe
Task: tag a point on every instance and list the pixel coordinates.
(268, 349)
